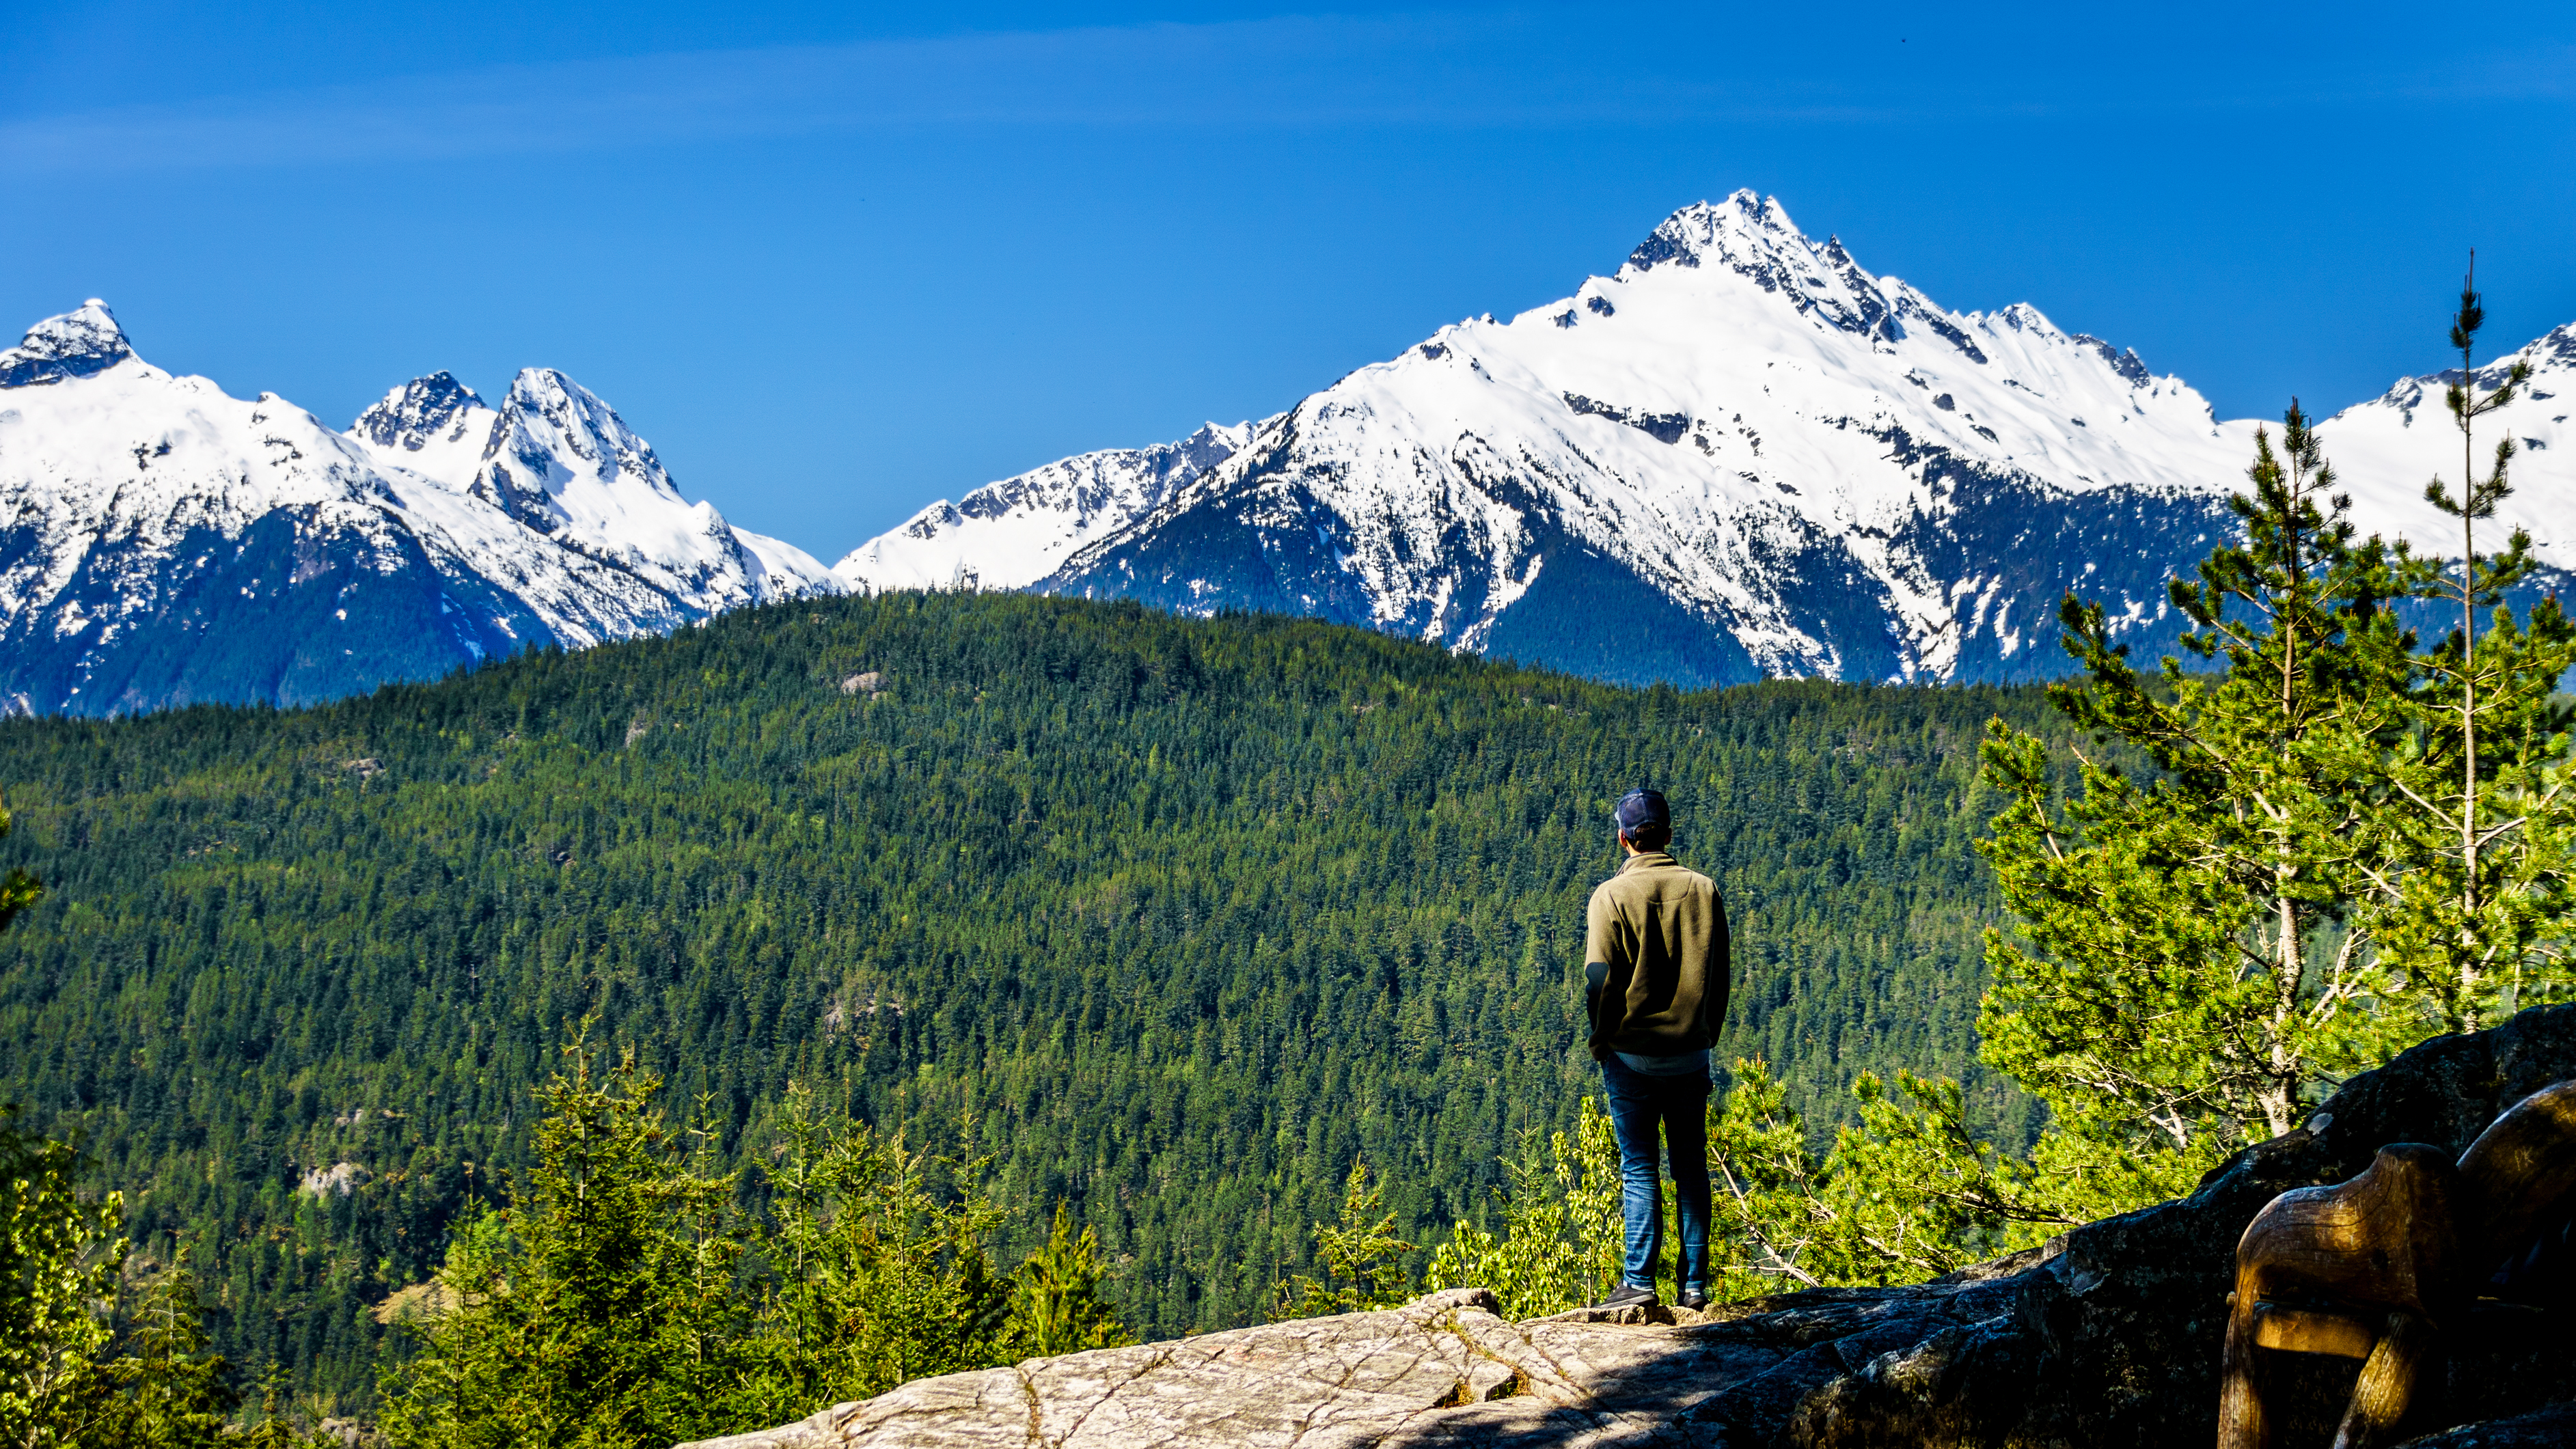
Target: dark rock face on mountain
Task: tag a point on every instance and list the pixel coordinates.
(334, 608)
(2109, 1338)
(76, 344)
(418, 411)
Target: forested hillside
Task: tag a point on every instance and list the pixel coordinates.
(1170, 919)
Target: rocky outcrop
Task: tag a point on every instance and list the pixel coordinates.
(2109, 1337)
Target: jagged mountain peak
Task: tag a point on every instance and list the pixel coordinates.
(1752, 237)
(549, 409)
(1213, 443)
(1731, 230)
(544, 388)
(423, 410)
(554, 459)
(80, 343)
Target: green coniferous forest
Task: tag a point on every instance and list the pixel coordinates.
(1168, 920)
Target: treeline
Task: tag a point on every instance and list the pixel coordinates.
(1173, 920)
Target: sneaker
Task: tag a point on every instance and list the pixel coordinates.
(1695, 1302)
(1628, 1295)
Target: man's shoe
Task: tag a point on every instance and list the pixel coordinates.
(1627, 1295)
(1695, 1302)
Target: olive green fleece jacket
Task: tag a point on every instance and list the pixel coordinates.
(1661, 931)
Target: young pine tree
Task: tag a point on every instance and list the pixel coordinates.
(581, 1310)
(875, 1273)
(1768, 1191)
(60, 1261)
(1056, 1303)
(1561, 1240)
(2476, 786)
(167, 1389)
(1361, 1253)
(2187, 968)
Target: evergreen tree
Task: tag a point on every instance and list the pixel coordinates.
(60, 1261)
(2191, 968)
(1907, 1192)
(1056, 1303)
(1561, 1241)
(2195, 951)
(1770, 1204)
(875, 1274)
(2477, 787)
(1361, 1254)
(577, 1315)
(167, 1390)
(276, 1426)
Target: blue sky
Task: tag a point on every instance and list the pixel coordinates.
(836, 262)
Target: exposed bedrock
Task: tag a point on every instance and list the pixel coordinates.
(2111, 1337)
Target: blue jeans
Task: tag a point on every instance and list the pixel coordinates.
(1640, 1107)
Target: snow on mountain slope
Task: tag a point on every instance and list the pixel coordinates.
(1741, 455)
(556, 461)
(1011, 534)
(2387, 448)
(163, 543)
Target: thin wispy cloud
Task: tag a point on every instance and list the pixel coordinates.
(2537, 73)
(1328, 71)
(1444, 70)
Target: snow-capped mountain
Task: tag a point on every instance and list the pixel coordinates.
(557, 462)
(163, 543)
(2386, 449)
(1741, 455)
(1009, 535)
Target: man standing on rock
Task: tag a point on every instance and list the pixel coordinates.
(1655, 963)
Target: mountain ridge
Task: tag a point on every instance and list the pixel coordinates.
(1059, 507)
(1741, 455)
(162, 542)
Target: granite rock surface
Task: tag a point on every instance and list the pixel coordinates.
(2110, 1336)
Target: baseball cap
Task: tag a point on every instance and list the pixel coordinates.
(1644, 807)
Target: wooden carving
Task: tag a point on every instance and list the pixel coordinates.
(2520, 1169)
(2373, 1268)
(2327, 1269)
